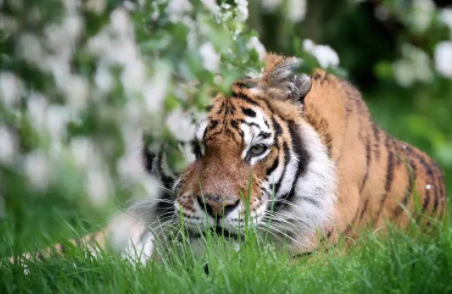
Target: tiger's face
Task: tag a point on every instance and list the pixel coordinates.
(243, 153)
(256, 155)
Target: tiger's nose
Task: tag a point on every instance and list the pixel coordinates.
(217, 206)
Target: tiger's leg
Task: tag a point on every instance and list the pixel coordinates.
(125, 234)
(90, 241)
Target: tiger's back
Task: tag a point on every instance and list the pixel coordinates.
(380, 178)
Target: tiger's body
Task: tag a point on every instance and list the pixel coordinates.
(307, 157)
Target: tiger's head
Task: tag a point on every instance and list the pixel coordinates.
(256, 153)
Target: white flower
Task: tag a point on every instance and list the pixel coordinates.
(325, 55)
(57, 119)
(76, 90)
(210, 58)
(58, 66)
(133, 111)
(257, 46)
(10, 89)
(152, 187)
(96, 6)
(37, 170)
(131, 165)
(155, 91)
(8, 145)
(271, 4)
(103, 79)
(8, 24)
(446, 18)
(98, 186)
(180, 125)
(443, 58)
(37, 110)
(30, 48)
(422, 14)
(83, 152)
(133, 76)
(129, 5)
(64, 35)
(297, 10)
(404, 73)
(120, 22)
(177, 9)
(115, 43)
(242, 9)
(211, 5)
(414, 66)
(381, 13)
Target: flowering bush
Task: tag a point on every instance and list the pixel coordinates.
(82, 81)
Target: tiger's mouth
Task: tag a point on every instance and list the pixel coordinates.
(216, 230)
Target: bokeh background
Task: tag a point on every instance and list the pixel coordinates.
(79, 78)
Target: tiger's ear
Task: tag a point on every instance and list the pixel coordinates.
(280, 73)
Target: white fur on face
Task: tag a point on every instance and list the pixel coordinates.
(315, 195)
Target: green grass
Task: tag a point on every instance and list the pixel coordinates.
(400, 263)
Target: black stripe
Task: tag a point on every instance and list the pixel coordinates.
(246, 98)
(167, 181)
(411, 171)
(209, 108)
(390, 168)
(364, 209)
(303, 160)
(235, 125)
(329, 234)
(368, 161)
(248, 112)
(426, 199)
(264, 135)
(273, 167)
(429, 172)
(247, 85)
(166, 206)
(389, 172)
(389, 177)
(231, 134)
(251, 124)
(436, 201)
(220, 110)
(230, 109)
(277, 127)
(286, 162)
(196, 149)
(376, 131)
(350, 225)
(148, 159)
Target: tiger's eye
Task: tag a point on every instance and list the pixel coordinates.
(257, 150)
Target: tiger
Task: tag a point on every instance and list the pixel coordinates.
(299, 154)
